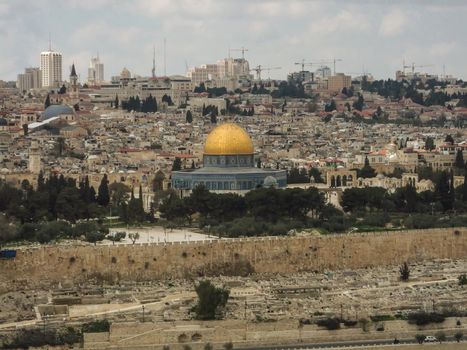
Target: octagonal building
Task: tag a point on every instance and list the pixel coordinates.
(228, 164)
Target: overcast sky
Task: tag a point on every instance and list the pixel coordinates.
(372, 35)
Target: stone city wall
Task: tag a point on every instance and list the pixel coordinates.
(47, 266)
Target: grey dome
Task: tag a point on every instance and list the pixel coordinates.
(270, 181)
(55, 111)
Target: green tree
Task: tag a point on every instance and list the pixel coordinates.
(459, 162)
(177, 164)
(47, 101)
(133, 237)
(420, 338)
(116, 236)
(316, 175)
(449, 139)
(103, 196)
(404, 272)
(331, 106)
(211, 300)
(116, 103)
(359, 103)
(458, 336)
(429, 143)
(189, 117)
(367, 171)
(94, 236)
(119, 193)
(441, 336)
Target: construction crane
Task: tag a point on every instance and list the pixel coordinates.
(413, 66)
(242, 49)
(333, 61)
(303, 64)
(258, 69)
(320, 62)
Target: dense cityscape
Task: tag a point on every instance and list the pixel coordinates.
(220, 208)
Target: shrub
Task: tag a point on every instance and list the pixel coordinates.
(380, 318)
(350, 323)
(329, 323)
(228, 346)
(462, 279)
(96, 326)
(424, 318)
(458, 336)
(404, 272)
(420, 338)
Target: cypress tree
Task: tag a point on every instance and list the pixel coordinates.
(116, 102)
(459, 162)
(189, 117)
(47, 101)
(103, 196)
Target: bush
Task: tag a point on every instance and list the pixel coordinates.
(380, 318)
(462, 279)
(420, 338)
(420, 221)
(424, 318)
(329, 323)
(350, 323)
(96, 326)
(27, 338)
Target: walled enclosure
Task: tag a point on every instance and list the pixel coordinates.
(47, 266)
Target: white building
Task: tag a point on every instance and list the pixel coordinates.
(30, 79)
(96, 71)
(224, 70)
(51, 68)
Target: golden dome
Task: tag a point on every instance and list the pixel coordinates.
(227, 139)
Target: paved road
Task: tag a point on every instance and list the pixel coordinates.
(340, 344)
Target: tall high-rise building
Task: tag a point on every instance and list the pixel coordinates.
(95, 71)
(30, 79)
(51, 68)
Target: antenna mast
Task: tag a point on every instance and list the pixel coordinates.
(154, 62)
(165, 57)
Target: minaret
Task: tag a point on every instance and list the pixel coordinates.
(34, 158)
(74, 89)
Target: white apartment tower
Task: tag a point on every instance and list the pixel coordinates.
(96, 71)
(51, 68)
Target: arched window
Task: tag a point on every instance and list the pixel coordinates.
(338, 181)
(344, 181)
(333, 181)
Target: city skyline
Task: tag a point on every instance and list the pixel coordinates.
(373, 37)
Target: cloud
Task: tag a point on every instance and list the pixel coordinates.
(442, 49)
(342, 22)
(394, 23)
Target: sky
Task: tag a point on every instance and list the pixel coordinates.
(372, 36)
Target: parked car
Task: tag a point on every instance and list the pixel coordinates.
(430, 339)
